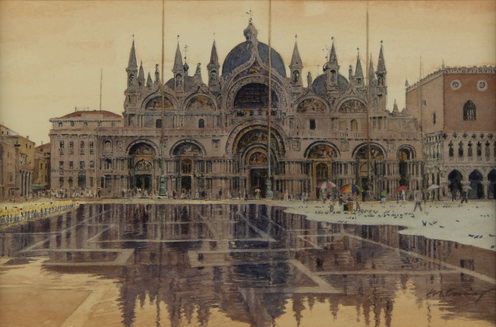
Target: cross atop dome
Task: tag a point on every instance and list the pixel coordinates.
(250, 32)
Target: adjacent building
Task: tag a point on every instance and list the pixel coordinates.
(41, 174)
(17, 154)
(253, 128)
(457, 110)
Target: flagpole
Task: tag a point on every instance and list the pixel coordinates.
(162, 189)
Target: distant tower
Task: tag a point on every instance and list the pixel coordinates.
(213, 70)
(296, 66)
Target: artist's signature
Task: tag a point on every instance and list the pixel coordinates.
(453, 292)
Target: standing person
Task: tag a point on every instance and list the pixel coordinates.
(417, 197)
(464, 196)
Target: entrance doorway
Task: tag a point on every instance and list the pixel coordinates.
(143, 182)
(476, 191)
(258, 180)
(186, 184)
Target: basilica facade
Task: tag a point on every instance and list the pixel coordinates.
(253, 128)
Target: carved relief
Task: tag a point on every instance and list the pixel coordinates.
(156, 103)
(257, 158)
(352, 106)
(200, 102)
(187, 149)
(311, 105)
(322, 151)
(143, 165)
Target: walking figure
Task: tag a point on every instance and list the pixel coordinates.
(417, 197)
(464, 196)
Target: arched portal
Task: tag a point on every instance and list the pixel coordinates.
(322, 157)
(405, 155)
(141, 167)
(491, 177)
(476, 190)
(250, 146)
(455, 178)
(188, 181)
(370, 167)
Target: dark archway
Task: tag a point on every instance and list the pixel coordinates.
(455, 178)
(477, 190)
(491, 177)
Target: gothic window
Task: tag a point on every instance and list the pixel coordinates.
(61, 144)
(469, 152)
(296, 74)
(312, 123)
(479, 149)
(451, 152)
(201, 123)
(469, 111)
(354, 125)
(158, 123)
(434, 118)
(460, 149)
(107, 164)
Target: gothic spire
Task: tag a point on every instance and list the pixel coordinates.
(381, 64)
(178, 61)
(296, 59)
(358, 67)
(214, 58)
(333, 59)
(132, 59)
(141, 75)
(371, 69)
(149, 81)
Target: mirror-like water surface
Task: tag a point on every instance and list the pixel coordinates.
(235, 265)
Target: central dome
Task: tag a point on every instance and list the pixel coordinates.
(243, 52)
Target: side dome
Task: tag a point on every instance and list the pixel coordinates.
(320, 84)
(243, 52)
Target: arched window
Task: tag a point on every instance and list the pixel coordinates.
(469, 111)
(479, 149)
(354, 125)
(107, 164)
(158, 123)
(201, 123)
(460, 149)
(451, 152)
(469, 152)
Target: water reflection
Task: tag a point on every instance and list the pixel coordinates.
(250, 265)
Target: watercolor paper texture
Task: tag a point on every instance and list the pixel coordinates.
(227, 259)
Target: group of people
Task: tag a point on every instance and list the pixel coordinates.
(10, 215)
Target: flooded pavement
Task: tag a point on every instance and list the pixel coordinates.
(235, 265)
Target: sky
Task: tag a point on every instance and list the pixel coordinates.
(53, 53)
